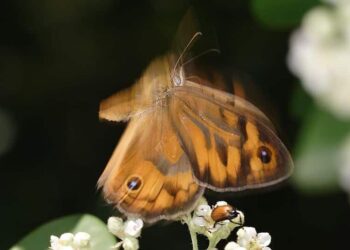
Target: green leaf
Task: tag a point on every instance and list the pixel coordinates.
(39, 239)
(281, 14)
(317, 151)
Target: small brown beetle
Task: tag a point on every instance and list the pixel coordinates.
(224, 212)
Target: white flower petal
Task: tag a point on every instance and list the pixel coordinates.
(200, 222)
(220, 203)
(67, 248)
(248, 232)
(233, 246)
(130, 243)
(54, 238)
(264, 239)
(266, 248)
(82, 239)
(245, 236)
(66, 239)
(133, 227)
(54, 241)
(116, 226)
(203, 210)
(319, 23)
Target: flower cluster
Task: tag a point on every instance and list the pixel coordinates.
(127, 232)
(249, 239)
(203, 222)
(217, 223)
(69, 241)
(320, 55)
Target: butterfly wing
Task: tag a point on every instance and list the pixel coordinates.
(123, 105)
(230, 143)
(142, 96)
(149, 175)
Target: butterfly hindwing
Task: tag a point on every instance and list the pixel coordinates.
(230, 143)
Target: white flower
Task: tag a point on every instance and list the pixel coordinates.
(201, 216)
(130, 243)
(233, 246)
(203, 223)
(82, 239)
(203, 210)
(69, 241)
(200, 222)
(248, 238)
(54, 240)
(320, 56)
(116, 226)
(201, 219)
(133, 227)
(66, 239)
(220, 203)
(127, 231)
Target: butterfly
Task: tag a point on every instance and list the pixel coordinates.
(183, 137)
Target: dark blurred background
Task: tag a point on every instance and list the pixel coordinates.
(59, 58)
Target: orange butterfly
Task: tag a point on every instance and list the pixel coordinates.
(183, 137)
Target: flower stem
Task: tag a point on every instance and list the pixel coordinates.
(187, 219)
(193, 239)
(213, 242)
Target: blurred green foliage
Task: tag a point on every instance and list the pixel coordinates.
(280, 14)
(317, 150)
(38, 239)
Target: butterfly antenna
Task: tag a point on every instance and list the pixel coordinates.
(197, 34)
(201, 54)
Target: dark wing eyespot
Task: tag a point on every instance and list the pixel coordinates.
(264, 154)
(134, 183)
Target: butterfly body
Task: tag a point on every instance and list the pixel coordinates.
(183, 137)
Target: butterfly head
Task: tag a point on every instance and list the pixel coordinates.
(178, 77)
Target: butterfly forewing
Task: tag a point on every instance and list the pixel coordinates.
(149, 175)
(230, 143)
(142, 97)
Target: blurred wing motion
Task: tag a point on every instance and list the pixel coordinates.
(123, 105)
(149, 175)
(182, 137)
(230, 143)
(142, 96)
